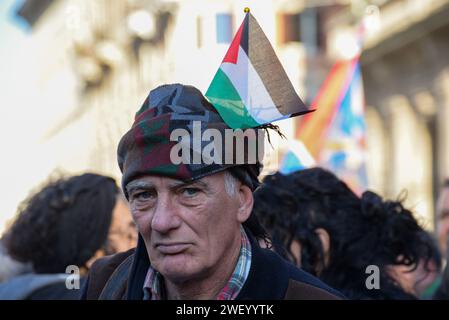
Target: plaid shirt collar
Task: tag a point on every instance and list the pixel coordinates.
(154, 288)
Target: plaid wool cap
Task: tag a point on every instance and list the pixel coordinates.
(145, 149)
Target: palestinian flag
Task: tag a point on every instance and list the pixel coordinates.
(251, 88)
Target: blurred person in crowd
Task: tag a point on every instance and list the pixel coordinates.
(68, 222)
(198, 238)
(317, 222)
(442, 213)
(424, 278)
(442, 292)
(429, 277)
(442, 216)
(122, 234)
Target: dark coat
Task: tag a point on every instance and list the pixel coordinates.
(121, 277)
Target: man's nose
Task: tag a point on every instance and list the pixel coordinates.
(165, 216)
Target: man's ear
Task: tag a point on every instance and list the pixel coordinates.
(246, 202)
(325, 242)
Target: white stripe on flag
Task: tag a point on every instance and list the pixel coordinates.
(251, 89)
(300, 151)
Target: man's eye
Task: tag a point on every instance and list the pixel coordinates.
(189, 192)
(144, 195)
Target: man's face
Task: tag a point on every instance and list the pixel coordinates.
(188, 229)
(443, 219)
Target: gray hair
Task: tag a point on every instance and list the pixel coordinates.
(230, 183)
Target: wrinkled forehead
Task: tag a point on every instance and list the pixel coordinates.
(154, 181)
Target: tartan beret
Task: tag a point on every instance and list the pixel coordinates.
(146, 149)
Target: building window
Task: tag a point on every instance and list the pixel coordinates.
(304, 27)
(224, 27)
(289, 28)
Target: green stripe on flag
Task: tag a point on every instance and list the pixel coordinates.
(227, 101)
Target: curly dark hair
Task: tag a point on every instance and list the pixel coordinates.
(63, 224)
(363, 231)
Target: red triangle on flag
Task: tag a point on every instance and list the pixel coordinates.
(233, 51)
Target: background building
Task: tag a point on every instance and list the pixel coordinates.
(77, 74)
(405, 70)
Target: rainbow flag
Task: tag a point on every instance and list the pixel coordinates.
(251, 87)
(296, 158)
(335, 133)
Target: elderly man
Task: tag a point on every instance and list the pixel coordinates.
(197, 236)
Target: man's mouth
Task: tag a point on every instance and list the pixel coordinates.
(172, 248)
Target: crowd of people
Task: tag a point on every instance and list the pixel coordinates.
(215, 232)
(69, 222)
(318, 223)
